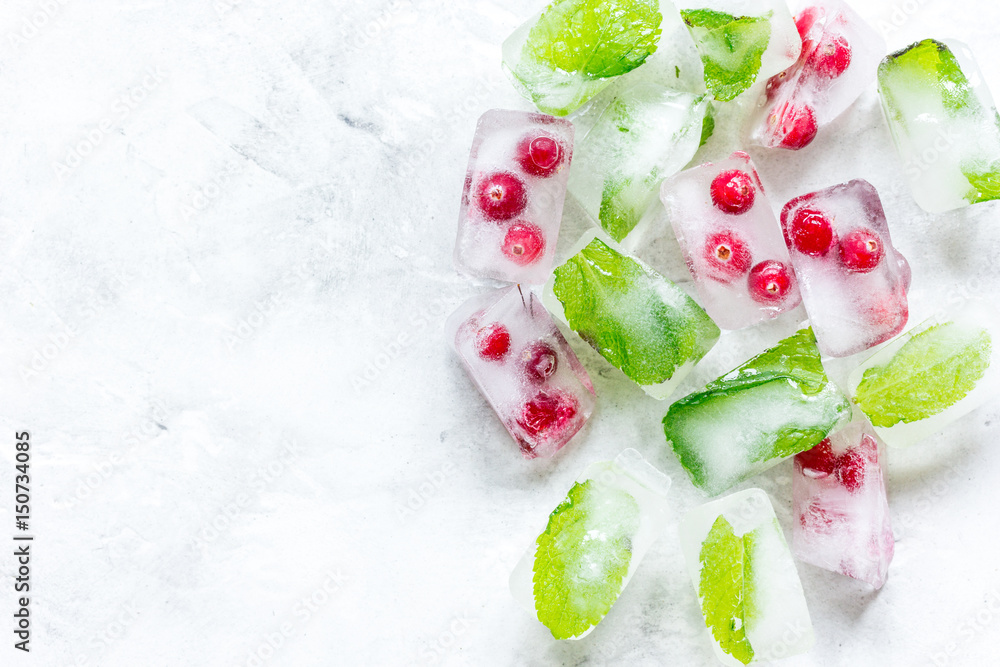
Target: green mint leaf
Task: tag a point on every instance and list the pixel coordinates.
(595, 38)
(623, 203)
(583, 557)
(934, 370)
(721, 589)
(640, 322)
(731, 48)
(707, 125)
(985, 181)
(796, 358)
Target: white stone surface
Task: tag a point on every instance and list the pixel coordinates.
(267, 214)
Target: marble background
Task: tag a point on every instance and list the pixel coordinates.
(226, 229)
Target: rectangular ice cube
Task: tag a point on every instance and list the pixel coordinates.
(731, 242)
(643, 324)
(573, 49)
(853, 280)
(935, 373)
(840, 53)
(745, 580)
(841, 511)
(773, 406)
(524, 367)
(741, 42)
(644, 134)
(944, 123)
(595, 539)
(513, 198)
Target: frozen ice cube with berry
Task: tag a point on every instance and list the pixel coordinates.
(524, 367)
(853, 280)
(841, 511)
(745, 580)
(840, 53)
(944, 123)
(595, 539)
(513, 198)
(731, 241)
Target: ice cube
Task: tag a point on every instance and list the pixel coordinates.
(773, 406)
(935, 373)
(644, 134)
(731, 242)
(853, 280)
(841, 511)
(944, 124)
(643, 324)
(524, 367)
(840, 53)
(741, 42)
(745, 580)
(593, 543)
(573, 49)
(513, 198)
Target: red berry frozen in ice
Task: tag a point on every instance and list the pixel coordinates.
(501, 195)
(819, 519)
(540, 362)
(861, 251)
(523, 243)
(795, 124)
(770, 282)
(727, 256)
(851, 470)
(540, 155)
(805, 20)
(831, 58)
(548, 413)
(733, 191)
(810, 232)
(818, 462)
(493, 341)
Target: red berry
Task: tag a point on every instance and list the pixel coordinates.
(539, 155)
(810, 232)
(523, 243)
(727, 256)
(770, 282)
(851, 469)
(818, 462)
(795, 124)
(493, 341)
(805, 20)
(819, 519)
(861, 251)
(540, 362)
(501, 196)
(831, 58)
(548, 413)
(733, 191)
(868, 448)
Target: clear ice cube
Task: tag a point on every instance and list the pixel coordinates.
(513, 196)
(595, 539)
(840, 53)
(853, 280)
(944, 124)
(841, 511)
(745, 580)
(524, 367)
(731, 242)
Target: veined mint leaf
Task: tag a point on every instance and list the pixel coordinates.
(796, 358)
(731, 48)
(934, 370)
(985, 182)
(623, 203)
(595, 38)
(638, 321)
(721, 589)
(583, 556)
